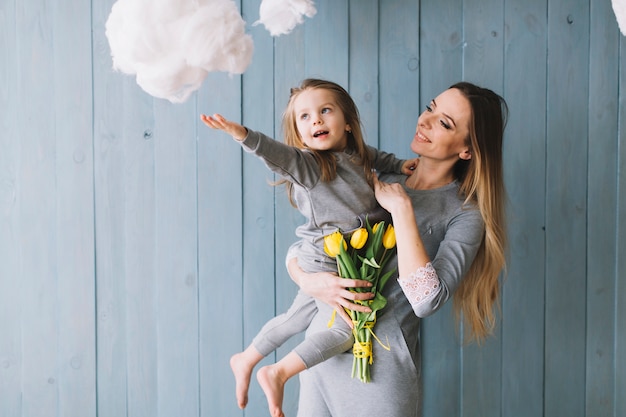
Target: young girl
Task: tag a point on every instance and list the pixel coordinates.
(326, 168)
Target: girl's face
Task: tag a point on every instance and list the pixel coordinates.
(442, 130)
(320, 121)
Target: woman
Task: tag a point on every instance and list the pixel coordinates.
(449, 222)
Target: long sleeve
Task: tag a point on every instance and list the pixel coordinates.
(431, 286)
(296, 165)
(385, 162)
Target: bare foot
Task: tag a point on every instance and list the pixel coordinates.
(242, 371)
(274, 387)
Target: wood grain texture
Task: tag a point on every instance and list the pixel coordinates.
(139, 249)
(602, 211)
(75, 211)
(523, 290)
(566, 207)
(620, 275)
(10, 233)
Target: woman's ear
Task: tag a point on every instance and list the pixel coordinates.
(466, 154)
(348, 128)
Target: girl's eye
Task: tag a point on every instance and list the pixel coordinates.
(304, 116)
(325, 110)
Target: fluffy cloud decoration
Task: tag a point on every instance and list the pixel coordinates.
(171, 45)
(619, 7)
(280, 16)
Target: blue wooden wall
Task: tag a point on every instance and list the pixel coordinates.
(139, 249)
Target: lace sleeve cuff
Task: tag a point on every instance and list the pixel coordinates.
(420, 286)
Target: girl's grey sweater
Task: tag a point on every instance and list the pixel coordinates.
(340, 204)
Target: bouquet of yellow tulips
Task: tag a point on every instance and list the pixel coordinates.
(364, 258)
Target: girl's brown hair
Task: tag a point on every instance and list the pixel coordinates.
(482, 183)
(326, 159)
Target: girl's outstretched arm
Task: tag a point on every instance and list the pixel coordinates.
(217, 121)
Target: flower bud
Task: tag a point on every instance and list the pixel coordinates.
(332, 244)
(359, 238)
(389, 238)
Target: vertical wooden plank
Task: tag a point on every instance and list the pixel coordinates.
(109, 221)
(566, 210)
(136, 227)
(620, 276)
(483, 22)
(260, 261)
(602, 210)
(524, 169)
(399, 77)
(440, 48)
(220, 245)
(124, 177)
(483, 25)
(326, 42)
(10, 282)
(363, 64)
(176, 262)
(72, 110)
(37, 199)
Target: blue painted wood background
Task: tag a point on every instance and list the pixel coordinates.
(139, 249)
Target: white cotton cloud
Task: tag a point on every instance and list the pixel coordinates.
(619, 7)
(171, 45)
(280, 16)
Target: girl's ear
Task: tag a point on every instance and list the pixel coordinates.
(348, 128)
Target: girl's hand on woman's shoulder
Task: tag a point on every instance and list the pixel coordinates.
(409, 166)
(391, 196)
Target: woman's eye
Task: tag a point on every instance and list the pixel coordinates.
(429, 109)
(445, 125)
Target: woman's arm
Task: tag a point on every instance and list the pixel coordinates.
(428, 283)
(330, 289)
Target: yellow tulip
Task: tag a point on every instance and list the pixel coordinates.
(389, 238)
(359, 238)
(375, 228)
(332, 244)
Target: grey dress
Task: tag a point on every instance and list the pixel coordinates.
(452, 235)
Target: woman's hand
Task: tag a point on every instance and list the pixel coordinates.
(331, 289)
(217, 121)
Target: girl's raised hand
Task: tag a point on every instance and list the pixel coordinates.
(390, 196)
(217, 121)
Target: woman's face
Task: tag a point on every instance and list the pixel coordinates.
(442, 130)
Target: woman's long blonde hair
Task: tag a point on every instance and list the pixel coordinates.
(482, 183)
(326, 159)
